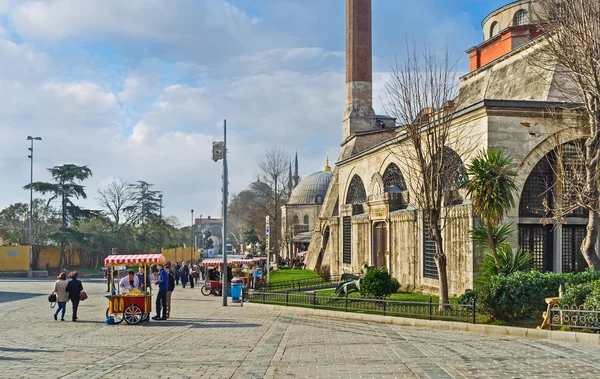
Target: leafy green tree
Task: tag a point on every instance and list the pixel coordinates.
(491, 187)
(66, 187)
(142, 211)
(251, 238)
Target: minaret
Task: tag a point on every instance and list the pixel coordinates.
(359, 115)
(290, 183)
(296, 176)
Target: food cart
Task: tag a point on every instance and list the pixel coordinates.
(133, 307)
(240, 268)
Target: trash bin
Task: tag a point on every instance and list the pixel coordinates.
(236, 289)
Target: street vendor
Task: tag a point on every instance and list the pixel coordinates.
(129, 283)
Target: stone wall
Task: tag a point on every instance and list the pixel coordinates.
(404, 248)
(458, 248)
(361, 242)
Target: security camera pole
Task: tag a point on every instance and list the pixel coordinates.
(220, 152)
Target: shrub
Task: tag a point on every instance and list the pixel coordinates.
(521, 294)
(510, 261)
(587, 294)
(467, 297)
(378, 283)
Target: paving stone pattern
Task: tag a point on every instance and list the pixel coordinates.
(205, 340)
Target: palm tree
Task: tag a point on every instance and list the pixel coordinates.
(66, 186)
(491, 187)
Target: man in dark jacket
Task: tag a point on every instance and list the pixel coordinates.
(161, 298)
(74, 288)
(170, 289)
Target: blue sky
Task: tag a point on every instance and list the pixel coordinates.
(139, 89)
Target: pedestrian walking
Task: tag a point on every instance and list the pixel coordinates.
(74, 288)
(161, 298)
(177, 273)
(191, 270)
(185, 274)
(170, 289)
(60, 289)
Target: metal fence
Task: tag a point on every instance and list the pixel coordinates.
(299, 284)
(414, 309)
(575, 317)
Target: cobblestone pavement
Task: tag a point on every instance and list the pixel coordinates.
(205, 340)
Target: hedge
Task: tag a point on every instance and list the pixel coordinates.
(522, 294)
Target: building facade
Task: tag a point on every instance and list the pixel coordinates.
(369, 214)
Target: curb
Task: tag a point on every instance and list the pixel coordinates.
(496, 330)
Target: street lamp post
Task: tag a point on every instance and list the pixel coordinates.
(192, 236)
(30, 156)
(201, 244)
(160, 196)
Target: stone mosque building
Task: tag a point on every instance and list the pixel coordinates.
(367, 215)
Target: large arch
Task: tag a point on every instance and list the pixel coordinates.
(554, 247)
(356, 193)
(393, 180)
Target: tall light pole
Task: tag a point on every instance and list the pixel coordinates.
(160, 206)
(30, 156)
(201, 244)
(220, 152)
(192, 236)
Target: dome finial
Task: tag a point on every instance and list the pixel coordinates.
(327, 168)
(257, 178)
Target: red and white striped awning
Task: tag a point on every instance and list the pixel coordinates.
(137, 258)
(237, 261)
(258, 259)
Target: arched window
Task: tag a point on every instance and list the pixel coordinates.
(306, 220)
(494, 29)
(393, 180)
(296, 220)
(453, 172)
(520, 18)
(356, 191)
(552, 185)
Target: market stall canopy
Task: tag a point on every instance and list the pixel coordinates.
(258, 259)
(303, 237)
(236, 261)
(136, 258)
(303, 253)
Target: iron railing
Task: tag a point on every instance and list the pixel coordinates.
(575, 317)
(413, 309)
(299, 284)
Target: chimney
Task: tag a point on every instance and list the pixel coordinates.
(359, 115)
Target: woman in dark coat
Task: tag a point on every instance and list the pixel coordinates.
(185, 273)
(74, 288)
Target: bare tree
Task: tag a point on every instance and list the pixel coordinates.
(422, 96)
(571, 49)
(273, 167)
(115, 197)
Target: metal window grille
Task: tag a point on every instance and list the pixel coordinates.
(347, 239)
(536, 193)
(453, 172)
(392, 177)
(520, 18)
(538, 240)
(572, 159)
(572, 259)
(429, 266)
(356, 191)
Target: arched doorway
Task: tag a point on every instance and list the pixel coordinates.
(379, 244)
(554, 248)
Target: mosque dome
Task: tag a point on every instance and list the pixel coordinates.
(312, 189)
(259, 188)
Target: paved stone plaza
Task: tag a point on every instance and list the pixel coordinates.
(205, 340)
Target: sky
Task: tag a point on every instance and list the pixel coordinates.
(139, 89)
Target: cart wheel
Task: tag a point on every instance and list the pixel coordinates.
(133, 314)
(117, 316)
(204, 291)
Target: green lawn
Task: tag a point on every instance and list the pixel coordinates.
(404, 296)
(285, 275)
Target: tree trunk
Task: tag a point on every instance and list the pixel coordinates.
(492, 245)
(441, 262)
(588, 246)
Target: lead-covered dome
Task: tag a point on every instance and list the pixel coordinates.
(311, 189)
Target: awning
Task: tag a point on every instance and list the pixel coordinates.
(258, 259)
(235, 261)
(113, 260)
(303, 237)
(303, 253)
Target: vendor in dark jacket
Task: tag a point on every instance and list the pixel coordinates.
(74, 288)
(161, 298)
